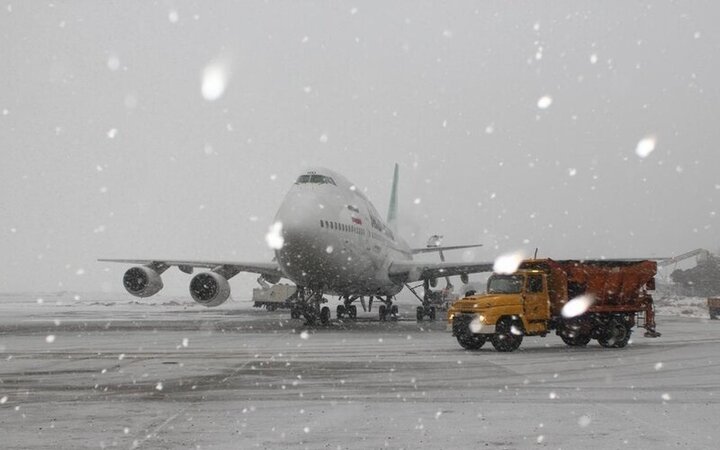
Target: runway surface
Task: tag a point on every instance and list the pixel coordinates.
(98, 374)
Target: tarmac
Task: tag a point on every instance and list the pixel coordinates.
(86, 373)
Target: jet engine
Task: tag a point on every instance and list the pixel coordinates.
(142, 281)
(209, 289)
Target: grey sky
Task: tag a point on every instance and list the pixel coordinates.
(110, 149)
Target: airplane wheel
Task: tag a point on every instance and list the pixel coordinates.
(431, 314)
(382, 312)
(325, 315)
(352, 311)
(420, 313)
(340, 311)
(294, 314)
(394, 312)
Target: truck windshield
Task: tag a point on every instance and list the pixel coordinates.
(505, 284)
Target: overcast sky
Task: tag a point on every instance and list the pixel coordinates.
(173, 129)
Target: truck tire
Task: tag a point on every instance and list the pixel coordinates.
(575, 340)
(615, 335)
(508, 335)
(471, 341)
(465, 337)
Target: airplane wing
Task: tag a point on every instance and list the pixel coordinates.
(264, 268)
(409, 271)
(440, 249)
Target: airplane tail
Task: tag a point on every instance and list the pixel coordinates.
(392, 209)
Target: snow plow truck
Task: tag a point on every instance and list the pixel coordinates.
(578, 300)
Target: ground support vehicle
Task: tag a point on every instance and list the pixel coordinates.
(714, 307)
(273, 296)
(579, 300)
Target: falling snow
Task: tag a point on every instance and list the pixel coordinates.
(274, 237)
(645, 146)
(577, 306)
(508, 263)
(214, 80)
(544, 102)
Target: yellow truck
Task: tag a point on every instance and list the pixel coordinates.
(579, 300)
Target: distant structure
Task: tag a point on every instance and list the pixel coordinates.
(703, 280)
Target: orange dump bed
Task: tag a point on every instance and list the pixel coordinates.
(617, 285)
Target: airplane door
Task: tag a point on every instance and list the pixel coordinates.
(536, 302)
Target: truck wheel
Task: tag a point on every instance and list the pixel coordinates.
(340, 311)
(508, 335)
(471, 341)
(465, 337)
(615, 335)
(575, 340)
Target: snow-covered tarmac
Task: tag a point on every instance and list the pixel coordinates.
(80, 373)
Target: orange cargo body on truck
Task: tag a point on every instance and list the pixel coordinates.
(531, 301)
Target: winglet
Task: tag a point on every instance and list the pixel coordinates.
(392, 209)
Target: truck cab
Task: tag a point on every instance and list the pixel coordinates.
(518, 303)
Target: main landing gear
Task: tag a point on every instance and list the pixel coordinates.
(387, 310)
(306, 303)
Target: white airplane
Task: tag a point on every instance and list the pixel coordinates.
(328, 239)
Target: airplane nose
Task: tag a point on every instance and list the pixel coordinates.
(300, 215)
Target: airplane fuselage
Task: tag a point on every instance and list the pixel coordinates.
(334, 239)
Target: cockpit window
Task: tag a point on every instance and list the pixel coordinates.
(315, 179)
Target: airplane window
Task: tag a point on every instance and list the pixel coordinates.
(303, 179)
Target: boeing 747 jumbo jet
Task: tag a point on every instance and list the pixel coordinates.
(329, 240)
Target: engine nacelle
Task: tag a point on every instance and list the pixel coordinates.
(209, 289)
(142, 281)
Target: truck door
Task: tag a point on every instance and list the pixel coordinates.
(535, 299)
